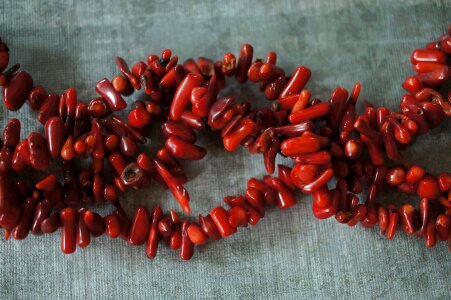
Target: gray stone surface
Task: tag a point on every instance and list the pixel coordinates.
(289, 254)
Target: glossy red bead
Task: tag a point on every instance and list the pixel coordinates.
(187, 246)
(182, 94)
(114, 99)
(184, 150)
(196, 235)
(138, 118)
(432, 56)
(244, 62)
(309, 113)
(113, 226)
(180, 129)
(10, 207)
(42, 212)
(298, 80)
(207, 225)
(237, 217)
(68, 232)
(428, 188)
(153, 235)
(140, 226)
(39, 157)
(26, 219)
(232, 140)
(16, 91)
(221, 219)
(94, 222)
(300, 145)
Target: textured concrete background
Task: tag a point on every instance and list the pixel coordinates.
(289, 254)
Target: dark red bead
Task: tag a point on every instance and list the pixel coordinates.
(16, 91)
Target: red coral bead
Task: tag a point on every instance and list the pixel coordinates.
(237, 217)
(138, 117)
(415, 174)
(395, 176)
(186, 247)
(196, 236)
(428, 188)
(184, 150)
(68, 232)
(153, 236)
(433, 56)
(140, 226)
(10, 208)
(94, 222)
(16, 91)
(106, 90)
(300, 145)
(221, 219)
(298, 80)
(26, 219)
(182, 94)
(232, 140)
(112, 226)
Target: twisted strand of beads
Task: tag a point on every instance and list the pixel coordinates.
(326, 140)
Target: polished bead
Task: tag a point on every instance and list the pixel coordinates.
(184, 150)
(68, 232)
(208, 227)
(443, 226)
(221, 220)
(182, 94)
(83, 236)
(395, 176)
(255, 199)
(318, 182)
(180, 129)
(302, 174)
(16, 91)
(51, 224)
(298, 80)
(138, 118)
(237, 216)
(26, 219)
(428, 188)
(300, 145)
(309, 113)
(94, 222)
(407, 214)
(10, 208)
(187, 246)
(153, 234)
(106, 90)
(433, 56)
(196, 236)
(11, 133)
(99, 108)
(244, 62)
(112, 226)
(140, 226)
(43, 210)
(39, 157)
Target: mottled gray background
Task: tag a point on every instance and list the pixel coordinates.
(289, 254)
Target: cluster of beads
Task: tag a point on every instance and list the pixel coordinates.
(329, 143)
